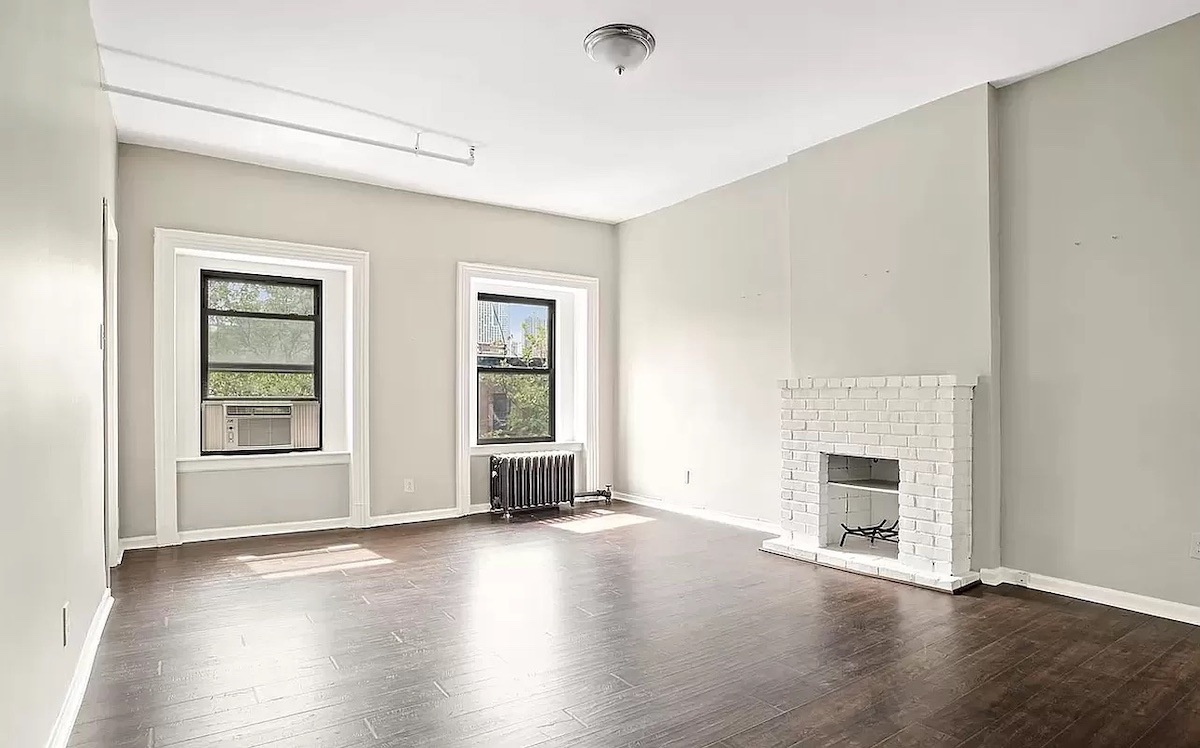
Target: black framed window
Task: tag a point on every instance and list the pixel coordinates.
(515, 369)
(260, 337)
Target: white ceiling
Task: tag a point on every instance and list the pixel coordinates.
(733, 88)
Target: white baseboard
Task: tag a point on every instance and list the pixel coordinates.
(429, 515)
(132, 544)
(287, 528)
(1001, 575)
(249, 531)
(706, 514)
(65, 723)
(1105, 596)
(137, 543)
(404, 518)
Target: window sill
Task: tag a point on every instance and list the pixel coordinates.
(218, 463)
(500, 449)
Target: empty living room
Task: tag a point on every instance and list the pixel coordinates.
(672, 374)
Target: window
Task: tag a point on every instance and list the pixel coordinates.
(515, 369)
(260, 337)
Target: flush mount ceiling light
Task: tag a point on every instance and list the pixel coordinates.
(620, 46)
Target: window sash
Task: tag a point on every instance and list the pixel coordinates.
(518, 439)
(314, 286)
(206, 312)
(548, 371)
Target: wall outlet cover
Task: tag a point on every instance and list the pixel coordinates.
(410, 485)
(1021, 578)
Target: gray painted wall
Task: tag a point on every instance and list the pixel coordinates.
(703, 340)
(238, 498)
(1101, 336)
(891, 248)
(890, 239)
(415, 242)
(870, 254)
(56, 165)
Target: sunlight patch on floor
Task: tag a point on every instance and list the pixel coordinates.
(380, 561)
(597, 520)
(313, 561)
(309, 552)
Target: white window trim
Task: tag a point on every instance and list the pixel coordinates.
(465, 372)
(223, 463)
(500, 449)
(169, 245)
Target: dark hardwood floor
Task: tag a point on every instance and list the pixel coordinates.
(585, 629)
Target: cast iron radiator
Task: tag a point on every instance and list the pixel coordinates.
(532, 481)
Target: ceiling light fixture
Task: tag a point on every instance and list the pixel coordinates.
(620, 46)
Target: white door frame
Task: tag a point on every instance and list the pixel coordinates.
(169, 244)
(109, 344)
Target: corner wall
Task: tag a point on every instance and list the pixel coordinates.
(1100, 188)
(1043, 237)
(57, 164)
(870, 254)
(703, 338)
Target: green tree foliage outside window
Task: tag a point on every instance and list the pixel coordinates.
(260, 384)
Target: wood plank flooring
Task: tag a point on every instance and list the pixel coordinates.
(593, 629)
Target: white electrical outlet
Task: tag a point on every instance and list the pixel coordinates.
(410, 486)
(66, 623)
(1021, 578)
(1196, 545)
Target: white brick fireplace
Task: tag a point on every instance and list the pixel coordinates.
(888, 452)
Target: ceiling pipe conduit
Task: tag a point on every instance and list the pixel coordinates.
(414, 149)
(291, 92)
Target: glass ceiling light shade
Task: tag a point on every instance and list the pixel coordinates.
(620, 46)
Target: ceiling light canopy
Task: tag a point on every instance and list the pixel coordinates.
(620, 46)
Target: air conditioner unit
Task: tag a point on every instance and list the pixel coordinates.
(254, 426)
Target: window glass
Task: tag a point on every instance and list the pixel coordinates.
(514, 406)
(513, 334)
(261, 337)
(270, 298)
(261, 384)
(254, 340)
(515, 366)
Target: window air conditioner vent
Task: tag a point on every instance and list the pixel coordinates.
(246, 427)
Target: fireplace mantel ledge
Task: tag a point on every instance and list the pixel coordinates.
(892, 380)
